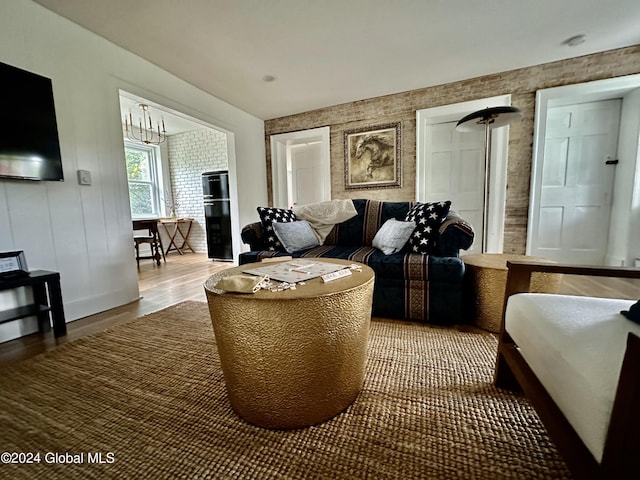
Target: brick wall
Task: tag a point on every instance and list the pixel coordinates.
(191, 154)
(522, 84)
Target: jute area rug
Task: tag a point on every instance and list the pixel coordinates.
(149, 396)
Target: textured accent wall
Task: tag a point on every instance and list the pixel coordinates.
(190, 155)
(522, 84)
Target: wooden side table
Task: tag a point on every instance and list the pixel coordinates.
(485, 281)
(173, 228)
(47, 300)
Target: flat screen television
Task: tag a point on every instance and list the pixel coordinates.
(29, 144)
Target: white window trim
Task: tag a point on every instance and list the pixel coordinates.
(156, 180)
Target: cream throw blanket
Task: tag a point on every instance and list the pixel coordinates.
(323, 216)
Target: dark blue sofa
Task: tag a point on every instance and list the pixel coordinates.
(407, 285)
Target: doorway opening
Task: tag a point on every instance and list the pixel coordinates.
(450, 166)
(173, 181)
(301, 167)
(585, 179)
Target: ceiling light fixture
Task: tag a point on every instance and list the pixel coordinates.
(146, 132)
(575, 40)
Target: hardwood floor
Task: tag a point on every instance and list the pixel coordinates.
(182, 278)
(627, 288)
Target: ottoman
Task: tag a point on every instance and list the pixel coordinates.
(485, 281)
(293, 358)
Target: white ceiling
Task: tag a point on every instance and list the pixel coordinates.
(327, 52)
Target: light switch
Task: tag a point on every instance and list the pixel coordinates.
(84, 177)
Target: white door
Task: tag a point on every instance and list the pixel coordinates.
(456, 172)
(305, 166)
(577, 183)
(461, 179)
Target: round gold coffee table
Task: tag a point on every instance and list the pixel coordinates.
(293, 358)
(485, 282)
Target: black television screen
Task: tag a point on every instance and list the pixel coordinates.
(29, 145)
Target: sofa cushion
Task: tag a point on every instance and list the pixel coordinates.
(575, 346)
(393, 236)
(295, 236)
(361, 229)
(427, 217)
(270, 215)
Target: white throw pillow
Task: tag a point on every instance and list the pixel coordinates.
(393, 235)
(295, 236)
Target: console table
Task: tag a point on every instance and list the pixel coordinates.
(172, 227)
(47, 300)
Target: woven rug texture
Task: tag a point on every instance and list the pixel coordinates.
(149, 396)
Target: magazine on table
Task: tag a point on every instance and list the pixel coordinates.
(297, 270)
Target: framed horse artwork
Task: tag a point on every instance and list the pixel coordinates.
(372, 157)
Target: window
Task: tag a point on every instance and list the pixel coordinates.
(142, 174)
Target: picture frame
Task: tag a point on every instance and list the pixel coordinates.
(13, 263)
(372, 157)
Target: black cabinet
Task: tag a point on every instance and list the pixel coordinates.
(47, 300)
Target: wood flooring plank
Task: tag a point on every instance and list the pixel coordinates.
(626, 288)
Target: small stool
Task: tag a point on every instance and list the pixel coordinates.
(485, 281)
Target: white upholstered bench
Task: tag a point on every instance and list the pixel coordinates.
(578, 361)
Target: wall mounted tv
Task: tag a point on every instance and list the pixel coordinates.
(29, 144)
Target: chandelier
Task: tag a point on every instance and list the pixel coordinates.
(144, 132)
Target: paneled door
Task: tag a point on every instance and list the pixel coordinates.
(450, 166)
(572, 224)
(456, 172)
